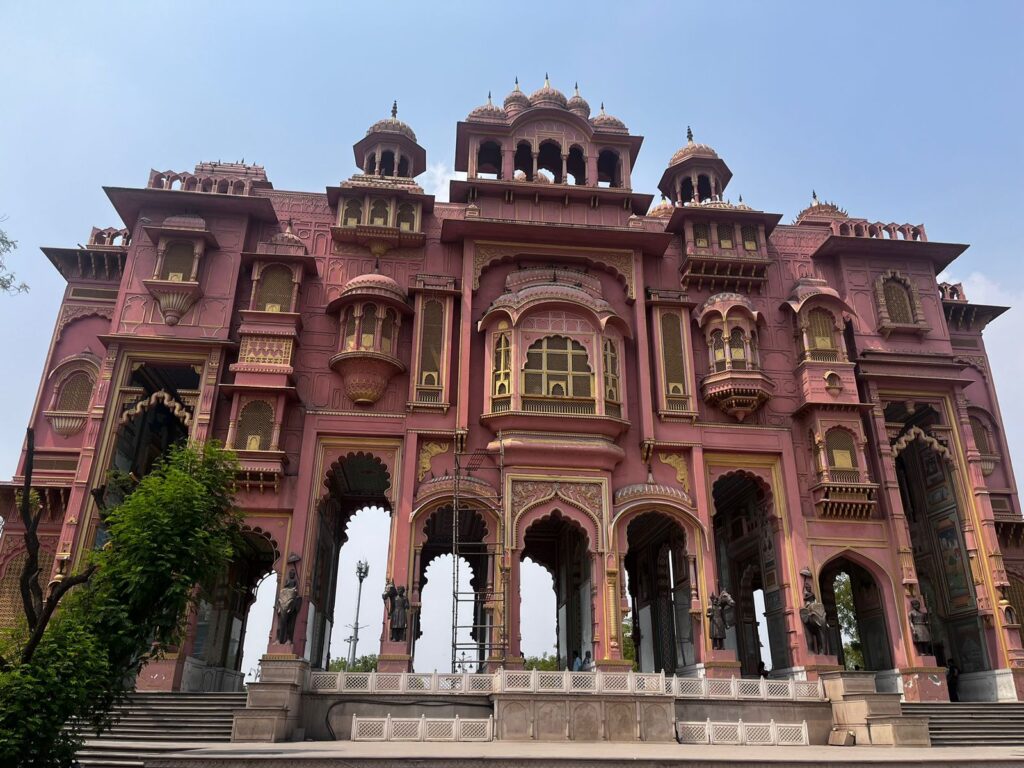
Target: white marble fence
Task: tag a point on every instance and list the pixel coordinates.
(537, 681)
(740, 732)
(422, 728)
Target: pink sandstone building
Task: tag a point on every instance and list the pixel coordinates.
(656, 401)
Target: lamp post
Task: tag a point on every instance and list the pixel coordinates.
(362, 569)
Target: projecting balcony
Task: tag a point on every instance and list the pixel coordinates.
(589, 416)
(737, 392)
(844, 494)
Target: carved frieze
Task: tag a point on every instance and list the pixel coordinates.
(488, 253)
(427, 453)
(265, 350)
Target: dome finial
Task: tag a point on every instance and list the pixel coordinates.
(741, 197)
(814, 197)
(577, 87)
(488, 97)
(602, 107)
(394, 109)
(689, 134)
(517, 83)
(547, 80)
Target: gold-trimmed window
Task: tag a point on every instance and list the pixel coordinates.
(368, 326)
(557, 366)
(749, 237)
(841, 454)
(406, 219)
(611, 372)
(388, 332)
(274, 292)
(501, 370)
(379, 213)
(718, 350)
(898, 302)
(353, 213)
(737, 350)
(350, 331)
(673, 355)
(431, 343)
(255, 426)
(701, 235)
(726, 233)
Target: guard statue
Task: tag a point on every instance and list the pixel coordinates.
(813, 616)
(920, 629)
(288, 603)
(398, 610)
(718, 623)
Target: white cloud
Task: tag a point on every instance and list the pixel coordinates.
(436, 178)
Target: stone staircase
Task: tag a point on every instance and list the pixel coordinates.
(961, 724)
(151, 724)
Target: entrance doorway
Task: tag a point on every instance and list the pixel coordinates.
(856, 616)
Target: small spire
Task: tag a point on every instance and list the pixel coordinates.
(517, 83)
(577, 87)
(741, 198)
(602, 107)
(547, 81)
(394, 109)
(814, 197)
(689, 134)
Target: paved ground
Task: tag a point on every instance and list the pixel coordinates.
(347, 754)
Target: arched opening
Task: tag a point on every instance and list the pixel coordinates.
(704, 191)
(177, 263)
(687, 191)
(222, 186)
(355, 483)
(747, 555)
(191, 183)
(215, 662)
(434, 615)
(353, 215)
(207, 185)
(379, 213)
(238, 188)
(576, 166)
(549, 159)
(274, 293)
(175, 183)
(659, 593)
(609, 169)
(560, 545)
(524, 159)
(387, 163)
(258, 625)
(539, 634)
(929, 494)
(403, 166)
(371, 164)
(855, 610)
(488, 160)
(406, 219)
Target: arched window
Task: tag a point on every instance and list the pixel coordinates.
(576, 166)
(549, 159)
(403, 166)
(609, 169)
(488, 160)
(749, 237)
(371, 164)
(274, 292)
(178, 259)
(726, 233)
(704, 191)
(406, 218)
(350, 331)
(701, 235)
(379, 213)
(821, 338)
(387, 163)
(673, 358)
(353, 215)
(841, 453)
(75, 393)
(524, 159)
(981, 436)
(611, 379)
(687, 190)
(430, 344)
(718, 350)
(222, 186)
(388, 327)
(557, 367)
(737, 350)
(897, 301)
(255, 426)
(368, 326)
(501, 374)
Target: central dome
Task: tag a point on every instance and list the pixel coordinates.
(692, 149)
(392, 125)
(548, 96)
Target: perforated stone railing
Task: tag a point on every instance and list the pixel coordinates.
(536, 681)
(740, 732)
(422, 728)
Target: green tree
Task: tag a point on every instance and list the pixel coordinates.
(367, 663)
(853, 654)
(545, 662)
(8, 282)
(177, 529)
(628, 644)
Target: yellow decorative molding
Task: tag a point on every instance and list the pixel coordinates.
(678, 462)
(427, 453)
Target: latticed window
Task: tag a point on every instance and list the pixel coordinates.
(820, 329)
(353, 215)
(749, 238)
(350, 331)
(501, 374)
(672, 355)
(368, 326)
(379, 213)
(897, 301)
(701, 235)
(980, 433)
(274, 292)
(718, 350)
(841, 454)
(75, 393)
(725, 235)
(255, 426)
(611, 371)
(177, 262)
(430, 344)
(737, 350)
(406, 218)
(388, 329)
(557, 367)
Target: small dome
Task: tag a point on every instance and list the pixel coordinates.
(607, 122)
(548, 96)
(516, 101)
(392, 125)
(578, 105)
(692, 149)
(662, 210)
(819, 210)
(375, 284)
(488, 111)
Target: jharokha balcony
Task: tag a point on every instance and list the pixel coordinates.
(737, 392)
(844, 493)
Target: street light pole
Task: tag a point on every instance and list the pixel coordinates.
(362, 569)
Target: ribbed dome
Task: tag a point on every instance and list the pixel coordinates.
(392, 125)
(578, 105)
(548, 96)
(692, 149)
(375, 284)
(488, 111)
(662, 210)
(819, 210)
(516, 101)
(607, 122)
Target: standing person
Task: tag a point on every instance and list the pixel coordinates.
(953, 680)
(588, 663)
(577, 663)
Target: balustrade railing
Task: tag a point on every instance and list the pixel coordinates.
(573, 406)
(542, 681)
(422, 728)
(740, 732)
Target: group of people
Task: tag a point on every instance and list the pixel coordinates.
(586, 664)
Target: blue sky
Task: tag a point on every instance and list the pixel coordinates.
(906, 112)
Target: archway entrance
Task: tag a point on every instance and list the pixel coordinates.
(856, 616)
(561, 547)
(215, 660)
(659, 592)
(940, 556)
(747, 554)
(358, 481)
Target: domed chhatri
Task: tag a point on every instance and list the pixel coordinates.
(546, 96)
(375, 284)
(516, 101)
(392, 125)
(821, 211)
(692, 149)
(578, 105)
(662, 210)
(607, 122)
(488, 111)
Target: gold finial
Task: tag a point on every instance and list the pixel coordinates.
(394, 109)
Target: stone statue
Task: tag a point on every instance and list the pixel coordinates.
(920, 629)
(288, 603)
(718, 622)
(813, 617)
(398, 610)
